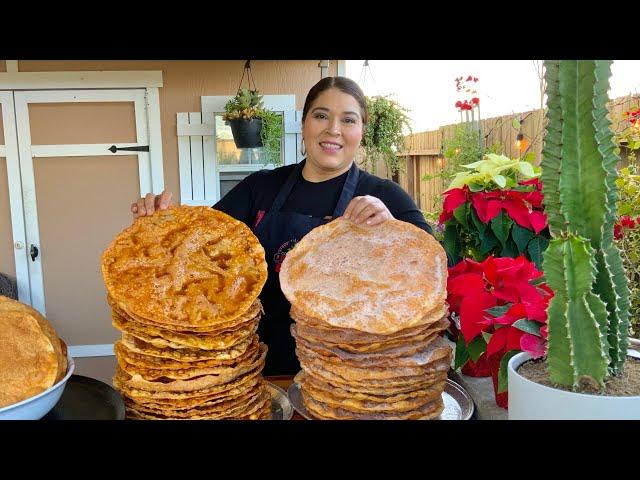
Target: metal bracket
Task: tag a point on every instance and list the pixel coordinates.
(142, 148)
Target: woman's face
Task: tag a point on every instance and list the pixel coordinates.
(332, 131)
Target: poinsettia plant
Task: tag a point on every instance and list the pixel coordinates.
(499, 309)
(626, 232)
(491, 211)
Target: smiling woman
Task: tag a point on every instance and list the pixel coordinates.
(284, 204)
(333, 129)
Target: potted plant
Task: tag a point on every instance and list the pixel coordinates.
(627, 229)
(383, 136)
(494, 207)
(241, 114)
(499, 307)
(253, 126)
(588, 314)
(626, 233)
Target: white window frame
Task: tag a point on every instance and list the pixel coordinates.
(212, 105)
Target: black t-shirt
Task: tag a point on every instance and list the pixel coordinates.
(258, 192)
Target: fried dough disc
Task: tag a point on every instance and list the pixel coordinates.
(324, 411)
(121, 381)
(190, 384)
(185, 267)
(166, 339)
(152, 362)
(136, 345)
(335, 274)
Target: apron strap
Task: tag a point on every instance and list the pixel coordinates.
(348, 190)
(282, 196)
(346, 195)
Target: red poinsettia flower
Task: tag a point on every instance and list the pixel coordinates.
(624, 222)
(474, 287)
(489, 204)
(518, 205)
(475, 100)
(453, 199)
(627, 221)
(458, 104)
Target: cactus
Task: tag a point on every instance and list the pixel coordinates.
(589, 314)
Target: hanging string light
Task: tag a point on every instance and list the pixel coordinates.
(522, 143)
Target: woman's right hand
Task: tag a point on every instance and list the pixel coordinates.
(150, 203)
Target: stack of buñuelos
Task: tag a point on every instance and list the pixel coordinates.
(183, 285)
(369, 304)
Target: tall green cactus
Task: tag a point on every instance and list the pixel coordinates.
(589, 315)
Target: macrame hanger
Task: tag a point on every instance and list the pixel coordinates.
(247, 71)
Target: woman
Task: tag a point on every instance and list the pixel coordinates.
(282, 205)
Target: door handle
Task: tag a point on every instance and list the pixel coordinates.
(33, 251)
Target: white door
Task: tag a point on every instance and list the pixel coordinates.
(68, 176)
(226, 165)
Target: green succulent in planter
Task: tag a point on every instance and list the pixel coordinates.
(588, 318)
(246, 104)
(246, 107)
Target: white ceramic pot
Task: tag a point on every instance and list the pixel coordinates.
(531, 401)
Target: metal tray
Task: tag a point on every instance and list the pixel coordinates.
(458, 405)
(86, 398)
(281, 408)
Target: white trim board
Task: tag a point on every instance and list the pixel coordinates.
(154, 129)
(342, 68)
(71, 96)
(80, 351)
(97, 79)
(80, 150)
(16, 206)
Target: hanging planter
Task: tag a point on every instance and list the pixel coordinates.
(253, 126)
(246, 132)
(242, 114)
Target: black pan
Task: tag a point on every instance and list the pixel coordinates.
(86, 398)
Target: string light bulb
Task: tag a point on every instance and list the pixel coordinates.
(521, 142)
(440, 158)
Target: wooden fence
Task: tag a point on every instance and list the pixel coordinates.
(423, 150)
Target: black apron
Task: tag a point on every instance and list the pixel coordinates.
(278, 232)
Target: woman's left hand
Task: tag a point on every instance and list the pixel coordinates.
(367, 209)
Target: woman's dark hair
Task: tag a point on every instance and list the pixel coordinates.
(345, 85)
